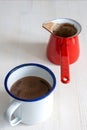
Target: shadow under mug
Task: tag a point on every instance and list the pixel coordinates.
(29, 111)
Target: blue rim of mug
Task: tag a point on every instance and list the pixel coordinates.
(24, 65)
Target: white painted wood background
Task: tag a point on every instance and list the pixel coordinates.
(22, 39)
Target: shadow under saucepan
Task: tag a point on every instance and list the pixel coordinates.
(35, 50)
(24, 51)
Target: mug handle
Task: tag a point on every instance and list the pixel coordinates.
(65, 75)
(10, 111)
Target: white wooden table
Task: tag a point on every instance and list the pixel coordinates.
(23, 40)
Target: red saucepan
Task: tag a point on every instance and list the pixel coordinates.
(63, 50)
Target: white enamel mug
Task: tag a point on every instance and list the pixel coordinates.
(29, 111)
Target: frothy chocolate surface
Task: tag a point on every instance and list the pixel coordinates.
(65, 30)
(30, 87)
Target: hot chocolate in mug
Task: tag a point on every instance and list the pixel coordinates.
(63, 46)
(29, 111)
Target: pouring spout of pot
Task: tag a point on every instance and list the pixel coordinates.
(49, 26)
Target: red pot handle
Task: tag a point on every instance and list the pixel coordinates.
(65, 76)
